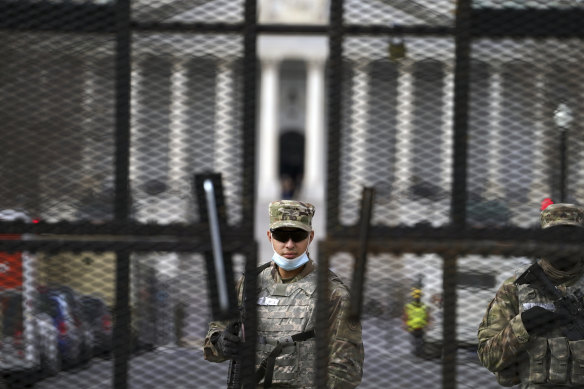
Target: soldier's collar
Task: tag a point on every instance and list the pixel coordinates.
(308, 268)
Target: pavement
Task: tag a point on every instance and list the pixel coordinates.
(389, 362)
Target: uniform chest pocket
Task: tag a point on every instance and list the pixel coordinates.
(537, 360)
(559, 356)
(577, 370)
(286, 367)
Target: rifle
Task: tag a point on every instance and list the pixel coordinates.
(569, 305)
(234, 373)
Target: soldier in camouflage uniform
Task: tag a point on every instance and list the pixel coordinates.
(286, 307)
(521, 337)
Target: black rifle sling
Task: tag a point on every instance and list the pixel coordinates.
(258, 271)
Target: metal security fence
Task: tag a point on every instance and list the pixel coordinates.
(463, 118)
(448, 124)
(110, 111)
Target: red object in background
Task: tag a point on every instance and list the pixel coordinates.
(10, 266)
(546, 203)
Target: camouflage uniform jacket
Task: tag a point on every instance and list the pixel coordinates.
(288, 308)
(506, 348)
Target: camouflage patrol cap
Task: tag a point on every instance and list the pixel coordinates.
(562, 215)
(291, 213)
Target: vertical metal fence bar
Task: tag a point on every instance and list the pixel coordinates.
(121, 350)
(249, 139)
(249, 110)
(123, 85)
(335, 35)
(460, 120)
(449, 330)
(335, 72)
(122, 197)
(322, 310)
(250, 325)
(360, 267)
(459, 185)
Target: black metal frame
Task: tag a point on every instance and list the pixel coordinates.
(124, 235)
(456, 239)
(127, 236)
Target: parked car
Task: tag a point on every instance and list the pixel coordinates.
(97, 314)
(74, 335)
(28, 340)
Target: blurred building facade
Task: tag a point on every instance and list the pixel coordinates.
(186, 118)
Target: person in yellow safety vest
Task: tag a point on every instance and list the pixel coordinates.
(416, 319)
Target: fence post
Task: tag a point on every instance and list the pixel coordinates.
(122, 335)
(360, 267)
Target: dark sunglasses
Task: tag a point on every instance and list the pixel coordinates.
(285, 235)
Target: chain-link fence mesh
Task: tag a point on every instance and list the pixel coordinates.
(514, 143)
(462, 126)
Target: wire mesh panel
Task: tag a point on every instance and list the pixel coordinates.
(182, 11)
(463, 116)
(186, 115)
(442, 130)
(523, 119)
(396, 130)
(52, 89)
(431, 13)
(57, 113)
(62, 99)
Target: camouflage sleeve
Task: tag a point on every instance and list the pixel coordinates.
(347, 353)
(501, 334)
(210, 352)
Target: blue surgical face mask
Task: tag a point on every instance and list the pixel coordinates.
(290, 264)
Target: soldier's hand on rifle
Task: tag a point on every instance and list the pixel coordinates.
(227, 342)
(538, 320)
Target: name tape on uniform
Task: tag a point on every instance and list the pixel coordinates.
(267, 301)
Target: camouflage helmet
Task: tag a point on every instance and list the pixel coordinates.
(291, 213)
(562, 215)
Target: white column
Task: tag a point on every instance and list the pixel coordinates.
(494, 189)
(269, 184)
(135, 128)
(179, 172)
(404, 131)
(539, 186)
(447, 130)
(440, 217)
(268, 187)
(315, 149)
(357, 163)
(227, 147)
(315, 157)
(91, 178)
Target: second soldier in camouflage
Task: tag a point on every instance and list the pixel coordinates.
(524, 338)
